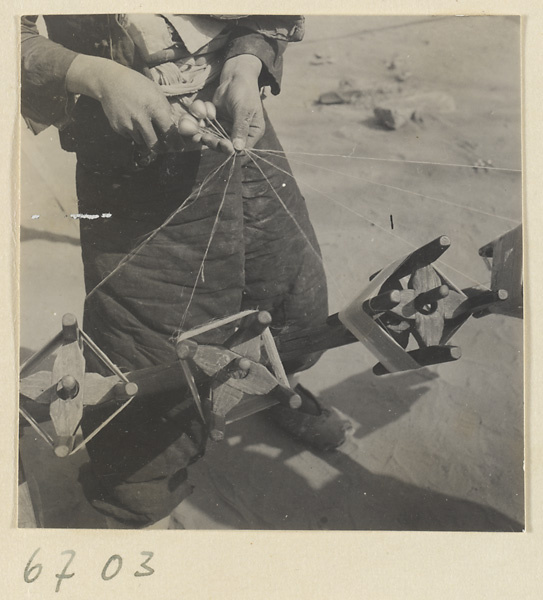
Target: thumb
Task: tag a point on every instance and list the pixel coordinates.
(243, 118)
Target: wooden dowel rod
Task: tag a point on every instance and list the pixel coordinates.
(186, 349)
(191, 382)
(35, 426)
(103, 356)
(70, 331)
(482, 301)
(431, 355)
(285, 396)
(487, 251)
(275, 358)
(382, 302)
(160, 379)
(425, 255)
(438, 293)
(123, 390)
(217, 427)
(64, 445)
(296, 344)
(250, 327)
(243, 364)
(38, 356)
(68, 387)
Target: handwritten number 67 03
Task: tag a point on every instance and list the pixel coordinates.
(111, 569)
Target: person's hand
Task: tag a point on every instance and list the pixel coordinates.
(197, 121)
(134, 105)
(238, 98)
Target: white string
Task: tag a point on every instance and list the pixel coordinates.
(293, 218)
(478, 283)
(102, 425)
(387, 231)
(103, 357)
(393, 187)
(41, 432)
(184, 205)
(211, 236)
(396, 160)
(123, 262)
(215, 324)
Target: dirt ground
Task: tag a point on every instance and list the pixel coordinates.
(437, 449)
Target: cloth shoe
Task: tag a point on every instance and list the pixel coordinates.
(314, 423)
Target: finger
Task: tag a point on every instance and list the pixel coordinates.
(125, 131)
(163, 120)
(198, 109)
(148, 133)
(179, 112)
(210, 140)
(226, 147)
(211, 110)
(240, 129)
(188, 126)
(136, 137)
(165, 127)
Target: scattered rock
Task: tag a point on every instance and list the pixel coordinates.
(395, 113)
(397, 64)
(391, 64)
(321, 59)
(418, 116)
(391, 118)
(402, 76)
(350, 92)
(339, 97)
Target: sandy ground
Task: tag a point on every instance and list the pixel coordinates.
(440, 448)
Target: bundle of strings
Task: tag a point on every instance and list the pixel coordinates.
(186, 76)
(182, 52)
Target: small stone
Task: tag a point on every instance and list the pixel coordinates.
(417, 117)
(321, 59)
(391, 118)
(330, 98)
(402, 76)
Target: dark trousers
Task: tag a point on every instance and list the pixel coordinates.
(263, 255)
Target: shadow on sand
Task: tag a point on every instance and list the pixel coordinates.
(29, 234)
(260, 478)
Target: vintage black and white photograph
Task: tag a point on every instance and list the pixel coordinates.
(271, 273)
